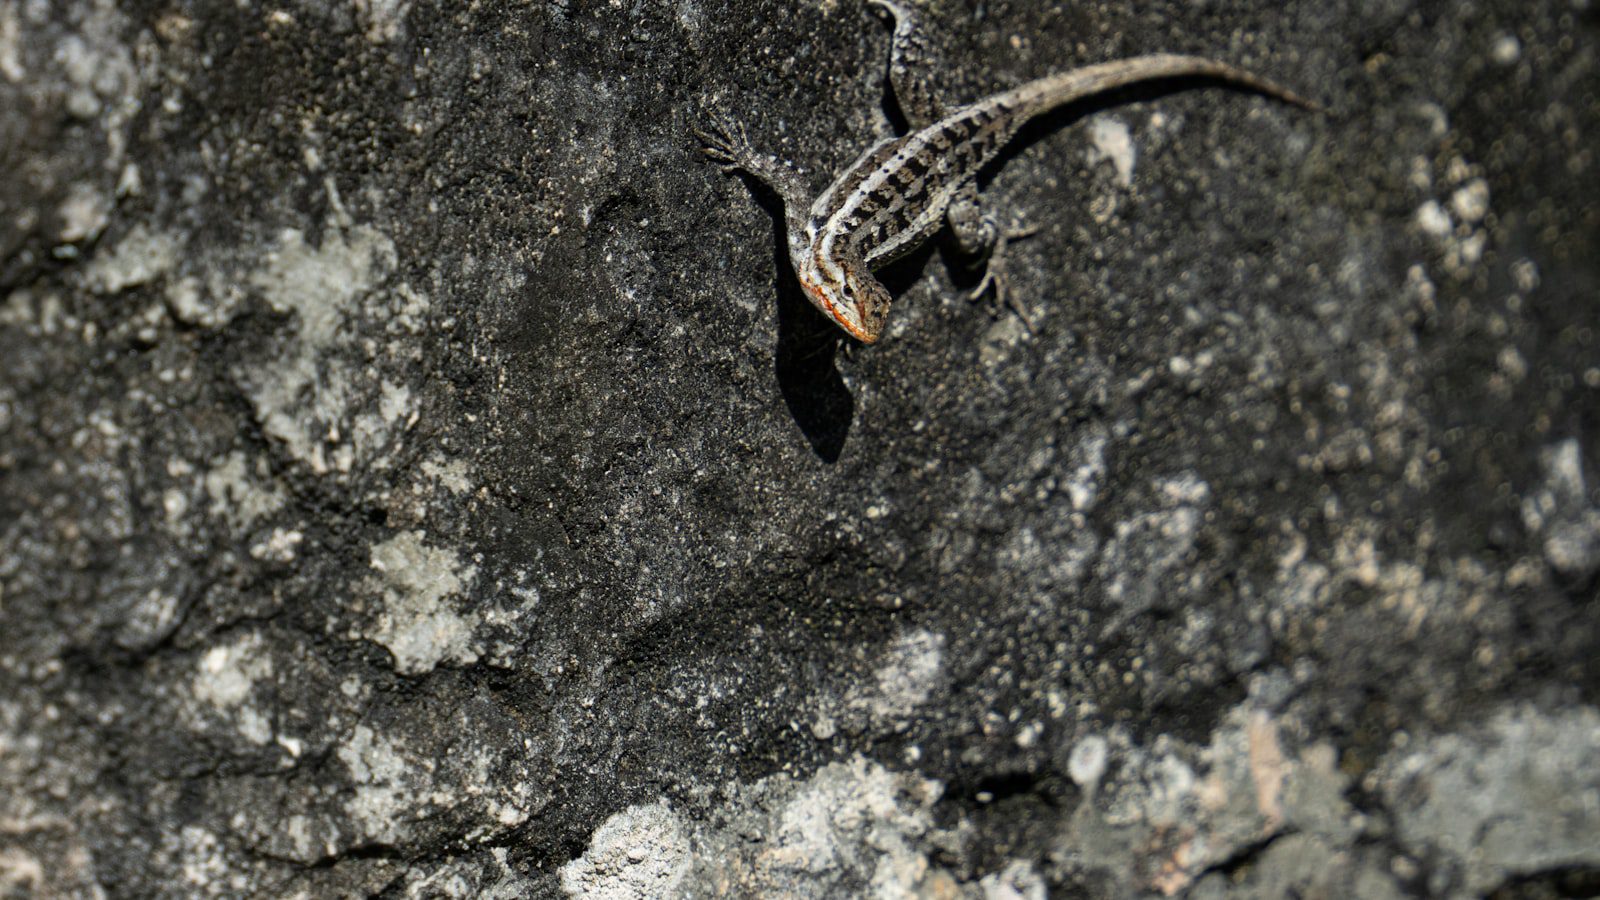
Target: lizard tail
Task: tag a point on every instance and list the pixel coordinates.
(1053, 91)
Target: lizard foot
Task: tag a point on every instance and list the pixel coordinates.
(724, 142)
(995, 281)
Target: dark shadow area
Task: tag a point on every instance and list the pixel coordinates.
(898, 120)
(804, 363)
(964, 269)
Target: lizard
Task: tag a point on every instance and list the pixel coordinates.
(901, 191)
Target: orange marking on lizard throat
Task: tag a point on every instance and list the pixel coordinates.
(825, 303)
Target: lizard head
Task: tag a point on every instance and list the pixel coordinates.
(848, 294)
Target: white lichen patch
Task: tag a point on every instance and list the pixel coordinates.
(1000, 340)
(298, 830)
(911, 668)
(226, 676)
(1019, 880)
(852, 828)
(204, 864)
(148, 619)
(239, 491)
(11, 67)
(1455, 223)
(1110, 140)
(1433, 220)
(851, 823)
(395, 405)
(21, 874)
(139, 258)
(1172, 810)
(319, 284)
(1146, 555)
(387, 785)
(893, 681)
(1087, 762)
(417, 622)
(76, 62)
(1086, 470)
(1470, 202)
(304, 396)
(637, 854)
(384, 18)
(453, 475)
(1520, 796)
(83, 214)
(227, 673)
(279, 546)
(826, 821)
(1559, 512)
(208, 303)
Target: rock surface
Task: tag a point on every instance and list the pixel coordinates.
(419, 475)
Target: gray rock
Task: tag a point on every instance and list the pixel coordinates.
(420, 475)
(1521, 797)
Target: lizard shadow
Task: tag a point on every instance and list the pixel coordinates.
(808, 377)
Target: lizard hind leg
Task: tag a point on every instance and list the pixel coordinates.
(913, 66)
(980, 236)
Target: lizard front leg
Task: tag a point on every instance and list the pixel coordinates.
(829, 264)
(724, 142)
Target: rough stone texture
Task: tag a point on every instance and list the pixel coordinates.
(419, 475)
